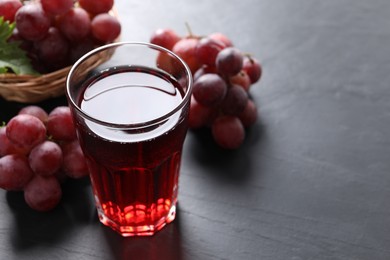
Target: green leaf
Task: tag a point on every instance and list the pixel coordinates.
(6, 29)
(12, 57)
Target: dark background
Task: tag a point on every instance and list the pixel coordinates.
(312, 180)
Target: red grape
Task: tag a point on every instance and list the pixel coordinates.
(60, 124)
(235, 100)
(185, 49)
(209, 89)
(166, 38)
(56, 7)
(32, 22)
(252, 68)
(199, 115)
(6, 146)
(242, 79)
(105, 27)
(75, 24)
(249, 116)
(15, 172)
(81, 48)
(166, 62)
(26, 131)
(221, 37)
(8, 9)
(52, 49)
(74, 164)
(36, 111)
(97, 7)
(204, 70)
(229, 61)
(222, 77)
(207, 50)
(46, 158)
(228, 132)
(43, 193)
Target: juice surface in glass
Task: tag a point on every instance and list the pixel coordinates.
(134, 172)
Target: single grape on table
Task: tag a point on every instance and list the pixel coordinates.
(223, 77)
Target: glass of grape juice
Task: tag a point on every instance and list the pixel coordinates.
(131, 114)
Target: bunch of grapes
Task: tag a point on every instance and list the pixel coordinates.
(223, 76)
(55, 33)
(38, 151)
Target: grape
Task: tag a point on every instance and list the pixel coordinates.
(242, 79)
(166, 38)
(185, 49)
(32, 22)
(207, 50)
(53, 48)
(228, 132)
(56, 7)
(43, 193)
(75, 24)
(252, 68)
(34, 111)
(46, 158)
(105, 27)
(199, 115)
(222, 77)
(221, 37)
(8, 9)
(235, 100)
(229, 61)
(60, 124)
(81, 48)
(15, 172)
(165, 62)
(97, 7)
(249, 116)
(6, 146)
(26, 131)
(209, 89)
(204, 70)
(74, 164)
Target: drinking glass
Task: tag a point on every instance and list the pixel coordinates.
(130, 104)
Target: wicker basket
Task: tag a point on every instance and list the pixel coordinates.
(33, 89)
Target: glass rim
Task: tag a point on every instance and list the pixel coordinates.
(186, 98)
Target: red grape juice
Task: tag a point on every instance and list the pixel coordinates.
(134, 171)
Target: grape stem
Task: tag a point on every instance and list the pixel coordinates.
(189, 29)
(190, 33)
(249, 55)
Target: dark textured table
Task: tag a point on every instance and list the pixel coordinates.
(312, 180)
